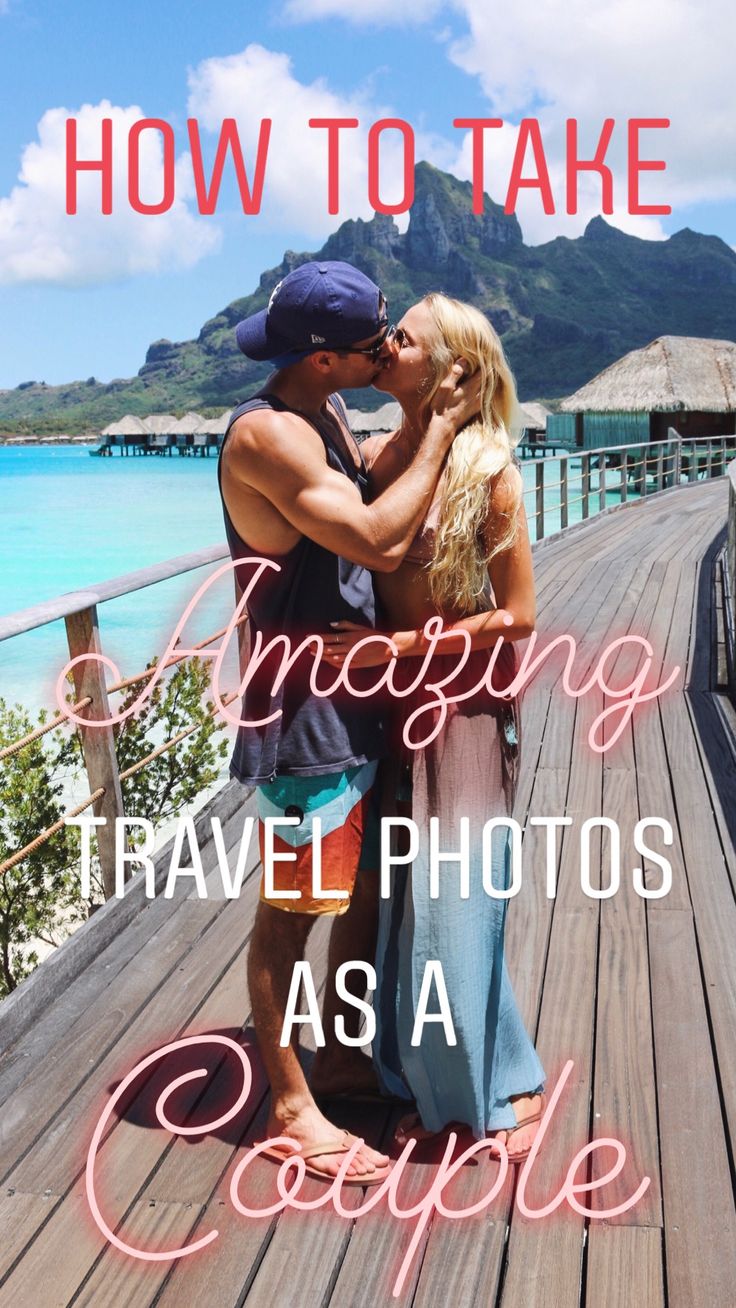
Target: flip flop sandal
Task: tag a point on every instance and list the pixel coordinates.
(529, 1120)
(327, 1147)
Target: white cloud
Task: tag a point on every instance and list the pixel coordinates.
(358, 11)
(666, 59)
(559, 59)
(40, 242)
(259, 82)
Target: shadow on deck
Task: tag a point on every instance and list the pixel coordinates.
(641, 994)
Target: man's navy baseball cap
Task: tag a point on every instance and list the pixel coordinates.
(326, 303)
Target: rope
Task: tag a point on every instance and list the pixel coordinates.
(50, 831)
(61, 719)
(136, 767)
(175, 658)
(41, 731)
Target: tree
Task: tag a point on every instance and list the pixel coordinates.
(39, 897)
(32, 893)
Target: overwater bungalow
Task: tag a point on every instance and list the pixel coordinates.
(128, 432)
(364, 424)
(682, 382)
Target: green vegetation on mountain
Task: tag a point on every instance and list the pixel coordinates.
(565, 309)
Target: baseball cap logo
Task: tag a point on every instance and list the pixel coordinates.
(274, 293)
(318, 340)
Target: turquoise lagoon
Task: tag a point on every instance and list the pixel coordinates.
(69, 521)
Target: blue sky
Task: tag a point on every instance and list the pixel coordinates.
(86, 296)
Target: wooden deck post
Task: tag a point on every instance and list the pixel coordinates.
(564, 491)
(601, 482)
(539, 471)
(83, 636)
(585, 484)
(624, 477)
(660, 468)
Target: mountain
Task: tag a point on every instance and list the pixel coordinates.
(565, 309)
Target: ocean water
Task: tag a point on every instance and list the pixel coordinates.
(69, 521)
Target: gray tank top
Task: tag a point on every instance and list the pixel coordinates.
(311, 736)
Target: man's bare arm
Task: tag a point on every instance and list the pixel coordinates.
(285, 463)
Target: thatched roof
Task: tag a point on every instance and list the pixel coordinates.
(673, 373)
(387, 418)
(127, 426)
(187, 425)
(159, 424)
(214, 426)
(532, 414)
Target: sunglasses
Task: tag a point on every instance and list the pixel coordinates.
(371, 352)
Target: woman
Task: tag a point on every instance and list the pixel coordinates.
(474, 534)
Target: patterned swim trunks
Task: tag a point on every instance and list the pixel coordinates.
(345, 804)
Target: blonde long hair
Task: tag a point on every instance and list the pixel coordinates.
(458, 570)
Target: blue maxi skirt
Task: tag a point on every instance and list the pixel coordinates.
(469, 770)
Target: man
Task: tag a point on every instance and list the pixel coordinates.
(294, 490)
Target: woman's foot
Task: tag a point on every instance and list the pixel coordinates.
(528, 1110)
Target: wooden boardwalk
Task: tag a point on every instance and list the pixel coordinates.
(641, 994)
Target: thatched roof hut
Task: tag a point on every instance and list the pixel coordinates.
(127, 426)
(672, 374)
(159, 424)
(387, 418)
(533, 416)
(214, 426)
(681, 382)
(187, 426)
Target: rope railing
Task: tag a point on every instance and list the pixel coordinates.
(62, 719)
(48, 833)
(57, 826)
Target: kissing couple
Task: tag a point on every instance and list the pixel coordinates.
(425, 520)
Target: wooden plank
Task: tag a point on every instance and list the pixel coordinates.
(152, 973)
(148, 1166)
(700, 1225)
(624, 1099)
(101, 975)
(33, 999)
(624, 1267)
(30, 1114)
(55, 1267)
(21, 1216)
(51, 1153)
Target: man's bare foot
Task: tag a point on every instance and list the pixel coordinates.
(308, 1126)
(343, 1072)
(519, 1141)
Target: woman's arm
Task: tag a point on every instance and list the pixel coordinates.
(512, 578)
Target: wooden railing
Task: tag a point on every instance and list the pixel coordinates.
(729, 580)
(592, 481)
(79, 611)
(613, 474)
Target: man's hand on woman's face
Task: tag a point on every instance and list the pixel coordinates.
(457, 398)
